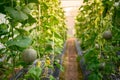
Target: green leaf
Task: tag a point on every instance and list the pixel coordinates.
(22, 31)
(57, 34)
(44, 6)
(30, 20)
(31, 1)
(85, 1)
(94, 76)
(52, 78)
(58, 50)
(90, 54)
(3, 29)
(34, 73)
(22, 16)
(54, 19)
(26, 10)
(20, 41)
(17, 15)
(59, 66)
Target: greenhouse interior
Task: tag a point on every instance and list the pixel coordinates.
(59, 39)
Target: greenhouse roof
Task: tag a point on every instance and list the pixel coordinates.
(71, 9)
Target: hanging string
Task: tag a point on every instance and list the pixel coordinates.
(39, 23)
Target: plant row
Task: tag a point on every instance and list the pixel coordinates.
(30, 30)
(97, 28)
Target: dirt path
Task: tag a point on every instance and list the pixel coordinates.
(72, 67)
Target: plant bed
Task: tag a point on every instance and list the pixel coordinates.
(83, 66)
(19, 74)
(58, 68)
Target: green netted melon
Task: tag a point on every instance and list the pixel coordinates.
(29, 55)
(107, 35)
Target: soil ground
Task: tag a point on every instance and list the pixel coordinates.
(71, 66)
